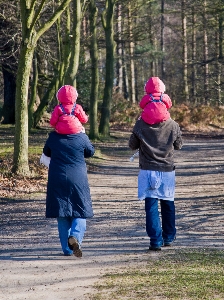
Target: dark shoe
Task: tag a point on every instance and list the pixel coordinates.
(153, 248)
(168, 244)
(74, 246)
(68, 254)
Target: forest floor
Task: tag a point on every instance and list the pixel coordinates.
(31, 261)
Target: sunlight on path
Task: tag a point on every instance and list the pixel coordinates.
(31, 261)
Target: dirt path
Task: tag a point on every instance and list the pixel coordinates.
(31, 263)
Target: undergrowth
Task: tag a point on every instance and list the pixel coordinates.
(189, 117)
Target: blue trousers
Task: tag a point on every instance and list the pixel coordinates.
(158, 232)
(68, 226)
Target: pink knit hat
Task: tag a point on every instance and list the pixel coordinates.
(154, 85)
(67, 94)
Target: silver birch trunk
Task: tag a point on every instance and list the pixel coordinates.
(205, 42)
(219, 43)
(131, 52)
(125, 75)
(194, 47)
(151, 40)
(162, 46)
(119, 52)
(185, 50)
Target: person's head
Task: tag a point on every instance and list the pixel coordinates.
(67, 94)
(154, 85)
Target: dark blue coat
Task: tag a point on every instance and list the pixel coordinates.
(68, 193)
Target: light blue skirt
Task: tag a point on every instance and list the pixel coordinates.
(155, 184)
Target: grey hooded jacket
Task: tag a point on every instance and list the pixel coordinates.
(156, 144)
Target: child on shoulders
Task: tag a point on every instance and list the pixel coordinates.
(155, 103)
(68, 116)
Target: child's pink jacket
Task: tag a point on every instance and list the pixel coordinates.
(155, 112)
(63, 123)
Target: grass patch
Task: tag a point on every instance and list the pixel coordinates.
(36, 141)
(183, 275)
(5, 150)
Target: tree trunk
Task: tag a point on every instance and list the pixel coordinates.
(218, 57)
(20, 163)
(29, 18)
(151, 40)
(131, 52)
(64, 46)
(66, 49)
(33, 95)
(60, 48)
(185, 62)
(205, 40)
(107, 21)
(93, 132)
(162, 47)
(125, 76)
(219, 72)
(8, 112)
(193, 65)
(119, 66)
(221, 36)
(75, 44)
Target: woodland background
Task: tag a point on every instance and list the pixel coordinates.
(108, 49)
